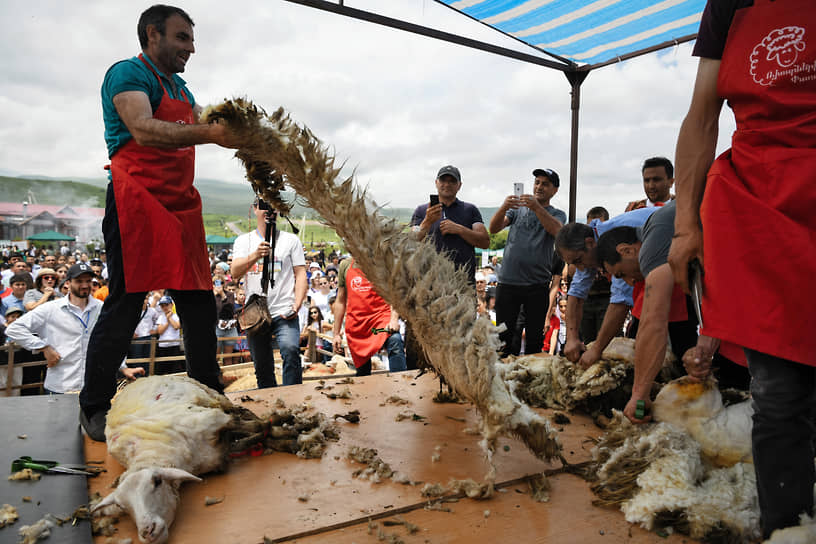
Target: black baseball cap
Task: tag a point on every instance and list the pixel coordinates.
(549, 174)
(78, 269)
(449, 170)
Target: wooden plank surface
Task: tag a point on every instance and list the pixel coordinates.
(281, 496)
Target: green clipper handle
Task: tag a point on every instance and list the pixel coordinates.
(640, 409)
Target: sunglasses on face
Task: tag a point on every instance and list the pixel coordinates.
(48, 278)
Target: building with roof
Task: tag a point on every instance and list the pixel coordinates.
(19, 221)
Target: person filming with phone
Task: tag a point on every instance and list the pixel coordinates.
(285, 295)
(455, 226)
(525, 275)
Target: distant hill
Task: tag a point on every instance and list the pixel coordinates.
(218, 197)
(49, 191)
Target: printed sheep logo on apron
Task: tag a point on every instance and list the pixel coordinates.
(779, 49)
(358, 286)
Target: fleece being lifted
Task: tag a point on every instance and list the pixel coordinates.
(423, 286)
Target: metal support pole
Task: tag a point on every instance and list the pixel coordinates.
(575, 78)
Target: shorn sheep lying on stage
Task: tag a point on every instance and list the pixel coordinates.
(165, 430)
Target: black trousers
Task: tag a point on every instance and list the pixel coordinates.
(509, 300)
(110, 338)
(594, 311)
(784, 400)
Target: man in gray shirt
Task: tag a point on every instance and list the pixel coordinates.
(640, 254)
(524, 279)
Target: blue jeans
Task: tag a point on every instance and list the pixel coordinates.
(396, 356)
(784, 398)
(284, 333)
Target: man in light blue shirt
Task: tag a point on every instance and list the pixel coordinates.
(577, 244)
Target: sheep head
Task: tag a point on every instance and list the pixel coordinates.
(150, 496)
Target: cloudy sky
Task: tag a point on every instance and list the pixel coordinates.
(396, 106)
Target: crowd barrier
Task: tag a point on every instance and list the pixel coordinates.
(11, 369)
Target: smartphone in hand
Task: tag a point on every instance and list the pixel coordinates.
(434, 200)
(518, 188)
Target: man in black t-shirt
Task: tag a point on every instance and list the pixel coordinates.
(455, 226)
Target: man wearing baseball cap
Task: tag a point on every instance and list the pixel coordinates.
(455, 226)
(54, 327)
(525, 275)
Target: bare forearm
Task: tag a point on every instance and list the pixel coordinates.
(476, 237)
(241, 265)
(301, 285)
(575, 313)
(498, 221)
(696, 144)
(650, 349)
(157, 133)
(550, 223)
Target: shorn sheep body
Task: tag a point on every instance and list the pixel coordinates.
(165, 430)
(424, 286)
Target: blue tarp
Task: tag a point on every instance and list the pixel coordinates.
(588, 31)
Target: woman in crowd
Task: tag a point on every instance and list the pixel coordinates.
(44, 290)
(168, 326)
(226, 324)
(61, 271)
(315, 323)
(559, 336)
(320, 297)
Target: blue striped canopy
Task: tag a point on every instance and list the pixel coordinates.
(588, 31)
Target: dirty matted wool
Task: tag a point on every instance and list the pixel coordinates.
(657, 475)
(424, 286)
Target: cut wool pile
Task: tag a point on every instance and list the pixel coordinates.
(550, 381)
(425, 287)
(688, 470)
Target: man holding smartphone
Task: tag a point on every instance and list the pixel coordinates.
(455, 226)
(287, 267)
(525, 275)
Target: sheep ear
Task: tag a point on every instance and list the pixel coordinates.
(176, 474)
(109, 501)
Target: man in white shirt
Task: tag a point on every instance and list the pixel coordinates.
(61, 329)
(168, 326)
(144, 331)
(288, 269)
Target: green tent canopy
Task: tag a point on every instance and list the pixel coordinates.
(216, 240)
(51, 236)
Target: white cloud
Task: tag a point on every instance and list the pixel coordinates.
(394, 105)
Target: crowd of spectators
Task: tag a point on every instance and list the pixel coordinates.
(504, 286)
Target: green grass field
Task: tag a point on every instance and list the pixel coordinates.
(313, 235)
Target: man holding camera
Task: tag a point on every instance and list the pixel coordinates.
(525, 276)
(284, 295)
(455, 226)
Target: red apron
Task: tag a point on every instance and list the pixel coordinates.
(759, 209)
(160, 224)
(365, 309)
(678, 310)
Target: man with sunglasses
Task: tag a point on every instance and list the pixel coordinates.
(287, 267)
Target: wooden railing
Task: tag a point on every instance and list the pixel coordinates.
(14, 383)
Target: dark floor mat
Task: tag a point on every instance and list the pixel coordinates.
(50, 427)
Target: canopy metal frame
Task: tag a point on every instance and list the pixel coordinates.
(575, 73)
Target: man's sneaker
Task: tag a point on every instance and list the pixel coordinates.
(95, 425)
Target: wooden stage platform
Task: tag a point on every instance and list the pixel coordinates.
(282, 498)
